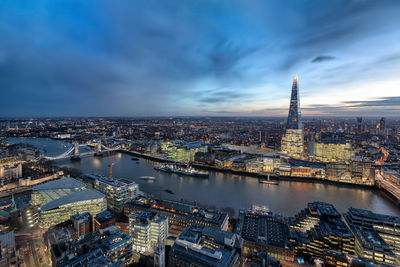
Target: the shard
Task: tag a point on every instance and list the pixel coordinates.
(294, 117)
(292, 142)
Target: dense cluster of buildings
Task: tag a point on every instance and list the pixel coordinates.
(318, 234)
(106, 247)
(179, 214)
(100, 221)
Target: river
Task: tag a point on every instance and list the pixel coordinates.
(223, 190)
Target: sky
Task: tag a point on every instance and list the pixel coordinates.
(198, 57)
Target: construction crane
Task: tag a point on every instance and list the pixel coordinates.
(109, 156)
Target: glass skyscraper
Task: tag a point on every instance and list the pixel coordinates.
(292, 142)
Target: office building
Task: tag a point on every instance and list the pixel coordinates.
(362, 171)
(183, 151)
(179, 214)
(118, 191)
(292, 143)
(337, 171)
(264, 232)
(107, 247)
(205, 246)
(326, 232)
(148, 231)
(52, 190)
(82, 223)
(330, 151)
(61, 209)
(103, 220)
(378, 236)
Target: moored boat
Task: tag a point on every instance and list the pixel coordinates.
(267, 181)
(189, 171)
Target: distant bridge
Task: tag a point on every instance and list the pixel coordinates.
(74, 150)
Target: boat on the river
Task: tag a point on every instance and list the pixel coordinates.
(169, 191)
(267, 181)
(189, 171)
(147, 178)
(134, 158)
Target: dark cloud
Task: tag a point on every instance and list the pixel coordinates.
(322, 58)
(226, 54)
(384, 102)
(223, 96)
(153, 58)
(388, 106)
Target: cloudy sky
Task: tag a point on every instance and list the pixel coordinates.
(198, 57)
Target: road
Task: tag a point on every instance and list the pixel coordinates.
(391, 187)
(30, 239)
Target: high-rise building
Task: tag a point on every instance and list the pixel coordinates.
(382, 125)
(360, 125)
(148, 230)
(292, 142)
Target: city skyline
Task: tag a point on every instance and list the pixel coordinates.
(217, 58)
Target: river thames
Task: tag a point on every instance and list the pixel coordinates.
(223, 190)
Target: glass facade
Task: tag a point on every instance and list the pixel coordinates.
(62, 209)
(292, 142)
(117, 192)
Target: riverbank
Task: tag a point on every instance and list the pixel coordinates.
(251, 174)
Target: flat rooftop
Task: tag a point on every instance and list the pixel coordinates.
(115, 182)
(367, 214)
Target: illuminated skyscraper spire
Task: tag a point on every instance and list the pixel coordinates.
(294, 117)
(292, 143)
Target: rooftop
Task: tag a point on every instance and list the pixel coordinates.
(115, 182)
(144, 217)
(104, 216)
(83, 195)
(374, 216)
(7, 239)
(205, 246)
(82, 216)
(63, 183)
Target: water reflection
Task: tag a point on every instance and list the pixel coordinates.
(226, 190)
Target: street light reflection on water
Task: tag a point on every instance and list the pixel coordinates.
(223, 190)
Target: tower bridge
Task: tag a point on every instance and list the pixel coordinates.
(74, 152)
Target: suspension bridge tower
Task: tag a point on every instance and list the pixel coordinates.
(98, 149)
(76, 155)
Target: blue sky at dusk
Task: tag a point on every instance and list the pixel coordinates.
(192, 57)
